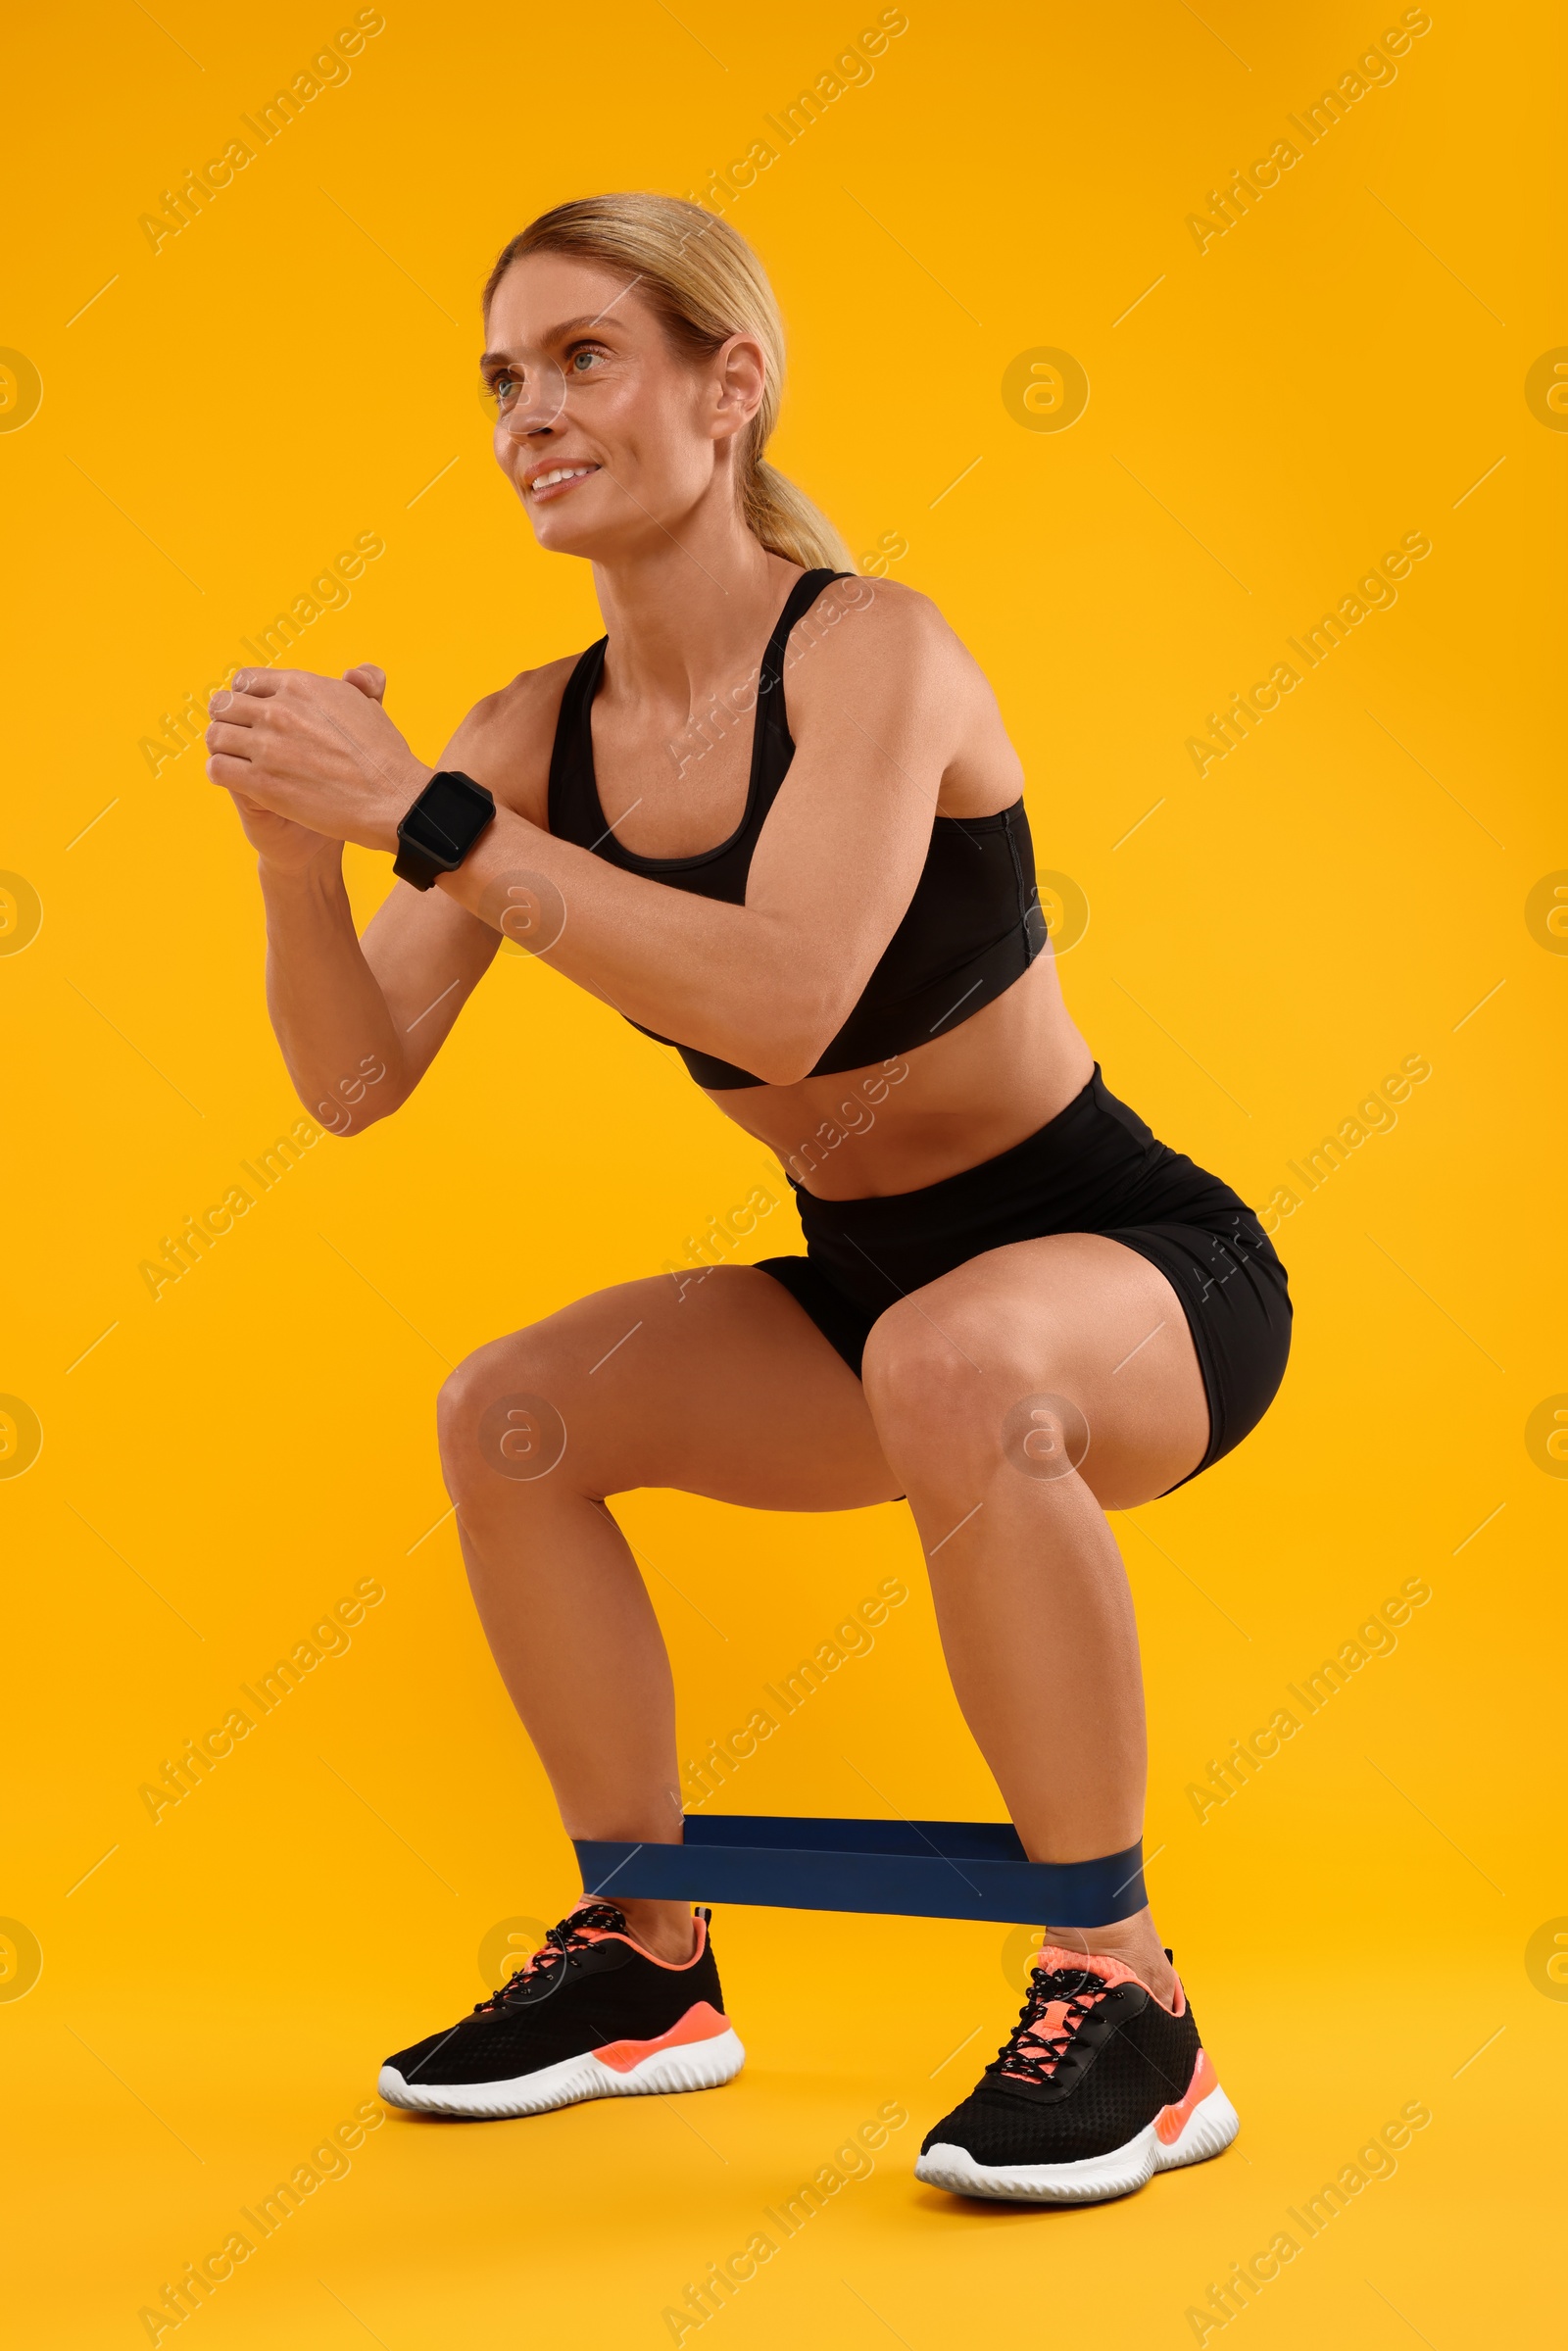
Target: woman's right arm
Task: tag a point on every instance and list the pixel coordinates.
(359, 1020)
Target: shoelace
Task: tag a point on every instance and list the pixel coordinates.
(1035, 2050)
(559, 1951)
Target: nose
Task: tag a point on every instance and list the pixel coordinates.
(540, 399)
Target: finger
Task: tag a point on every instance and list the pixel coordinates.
(223, 769)
(368, 678)
(225, 737)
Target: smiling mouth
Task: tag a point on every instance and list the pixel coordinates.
(558, 480)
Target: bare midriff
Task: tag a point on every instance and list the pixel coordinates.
(918, 1116)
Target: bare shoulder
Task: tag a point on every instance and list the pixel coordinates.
(889, 617)
(504, 742)
(879, 637)
(893, 673)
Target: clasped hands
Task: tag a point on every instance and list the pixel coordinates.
(319, 752)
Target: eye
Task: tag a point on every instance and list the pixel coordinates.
(581, 361)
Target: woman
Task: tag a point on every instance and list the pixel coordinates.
(774, 816)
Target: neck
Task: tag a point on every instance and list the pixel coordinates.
(685, 617)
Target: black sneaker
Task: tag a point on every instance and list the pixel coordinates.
(1098, 2088)
(592, 2014)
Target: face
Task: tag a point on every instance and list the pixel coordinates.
(611, 436)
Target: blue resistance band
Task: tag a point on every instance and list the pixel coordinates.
(906, 1869)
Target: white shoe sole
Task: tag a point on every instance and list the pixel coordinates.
(694, 2065)
(1207, 2132)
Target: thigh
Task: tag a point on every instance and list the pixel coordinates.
(719, 1386)
(1073, 1316)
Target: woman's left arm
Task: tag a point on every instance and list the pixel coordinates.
(873, 702)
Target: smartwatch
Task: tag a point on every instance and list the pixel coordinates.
(441, 827)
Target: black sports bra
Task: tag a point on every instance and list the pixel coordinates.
(973, 926)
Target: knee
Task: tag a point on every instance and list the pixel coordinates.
(954, 1395)
(930, 1399)
(499, 1420)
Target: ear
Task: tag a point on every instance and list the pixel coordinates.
(740, 378)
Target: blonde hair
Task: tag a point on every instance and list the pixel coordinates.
(705, 285)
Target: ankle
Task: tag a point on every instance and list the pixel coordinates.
(669, 1929)
(1135, 1941)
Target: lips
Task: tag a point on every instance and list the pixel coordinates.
(554, 480)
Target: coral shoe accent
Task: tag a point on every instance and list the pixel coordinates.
(1171, 2120)
(702, 2022)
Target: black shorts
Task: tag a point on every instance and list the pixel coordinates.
(1093, 1168)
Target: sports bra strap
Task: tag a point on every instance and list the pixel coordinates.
(805, 593)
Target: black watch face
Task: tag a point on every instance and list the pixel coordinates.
(448, 816)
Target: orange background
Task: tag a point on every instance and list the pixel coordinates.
(1367, 877)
